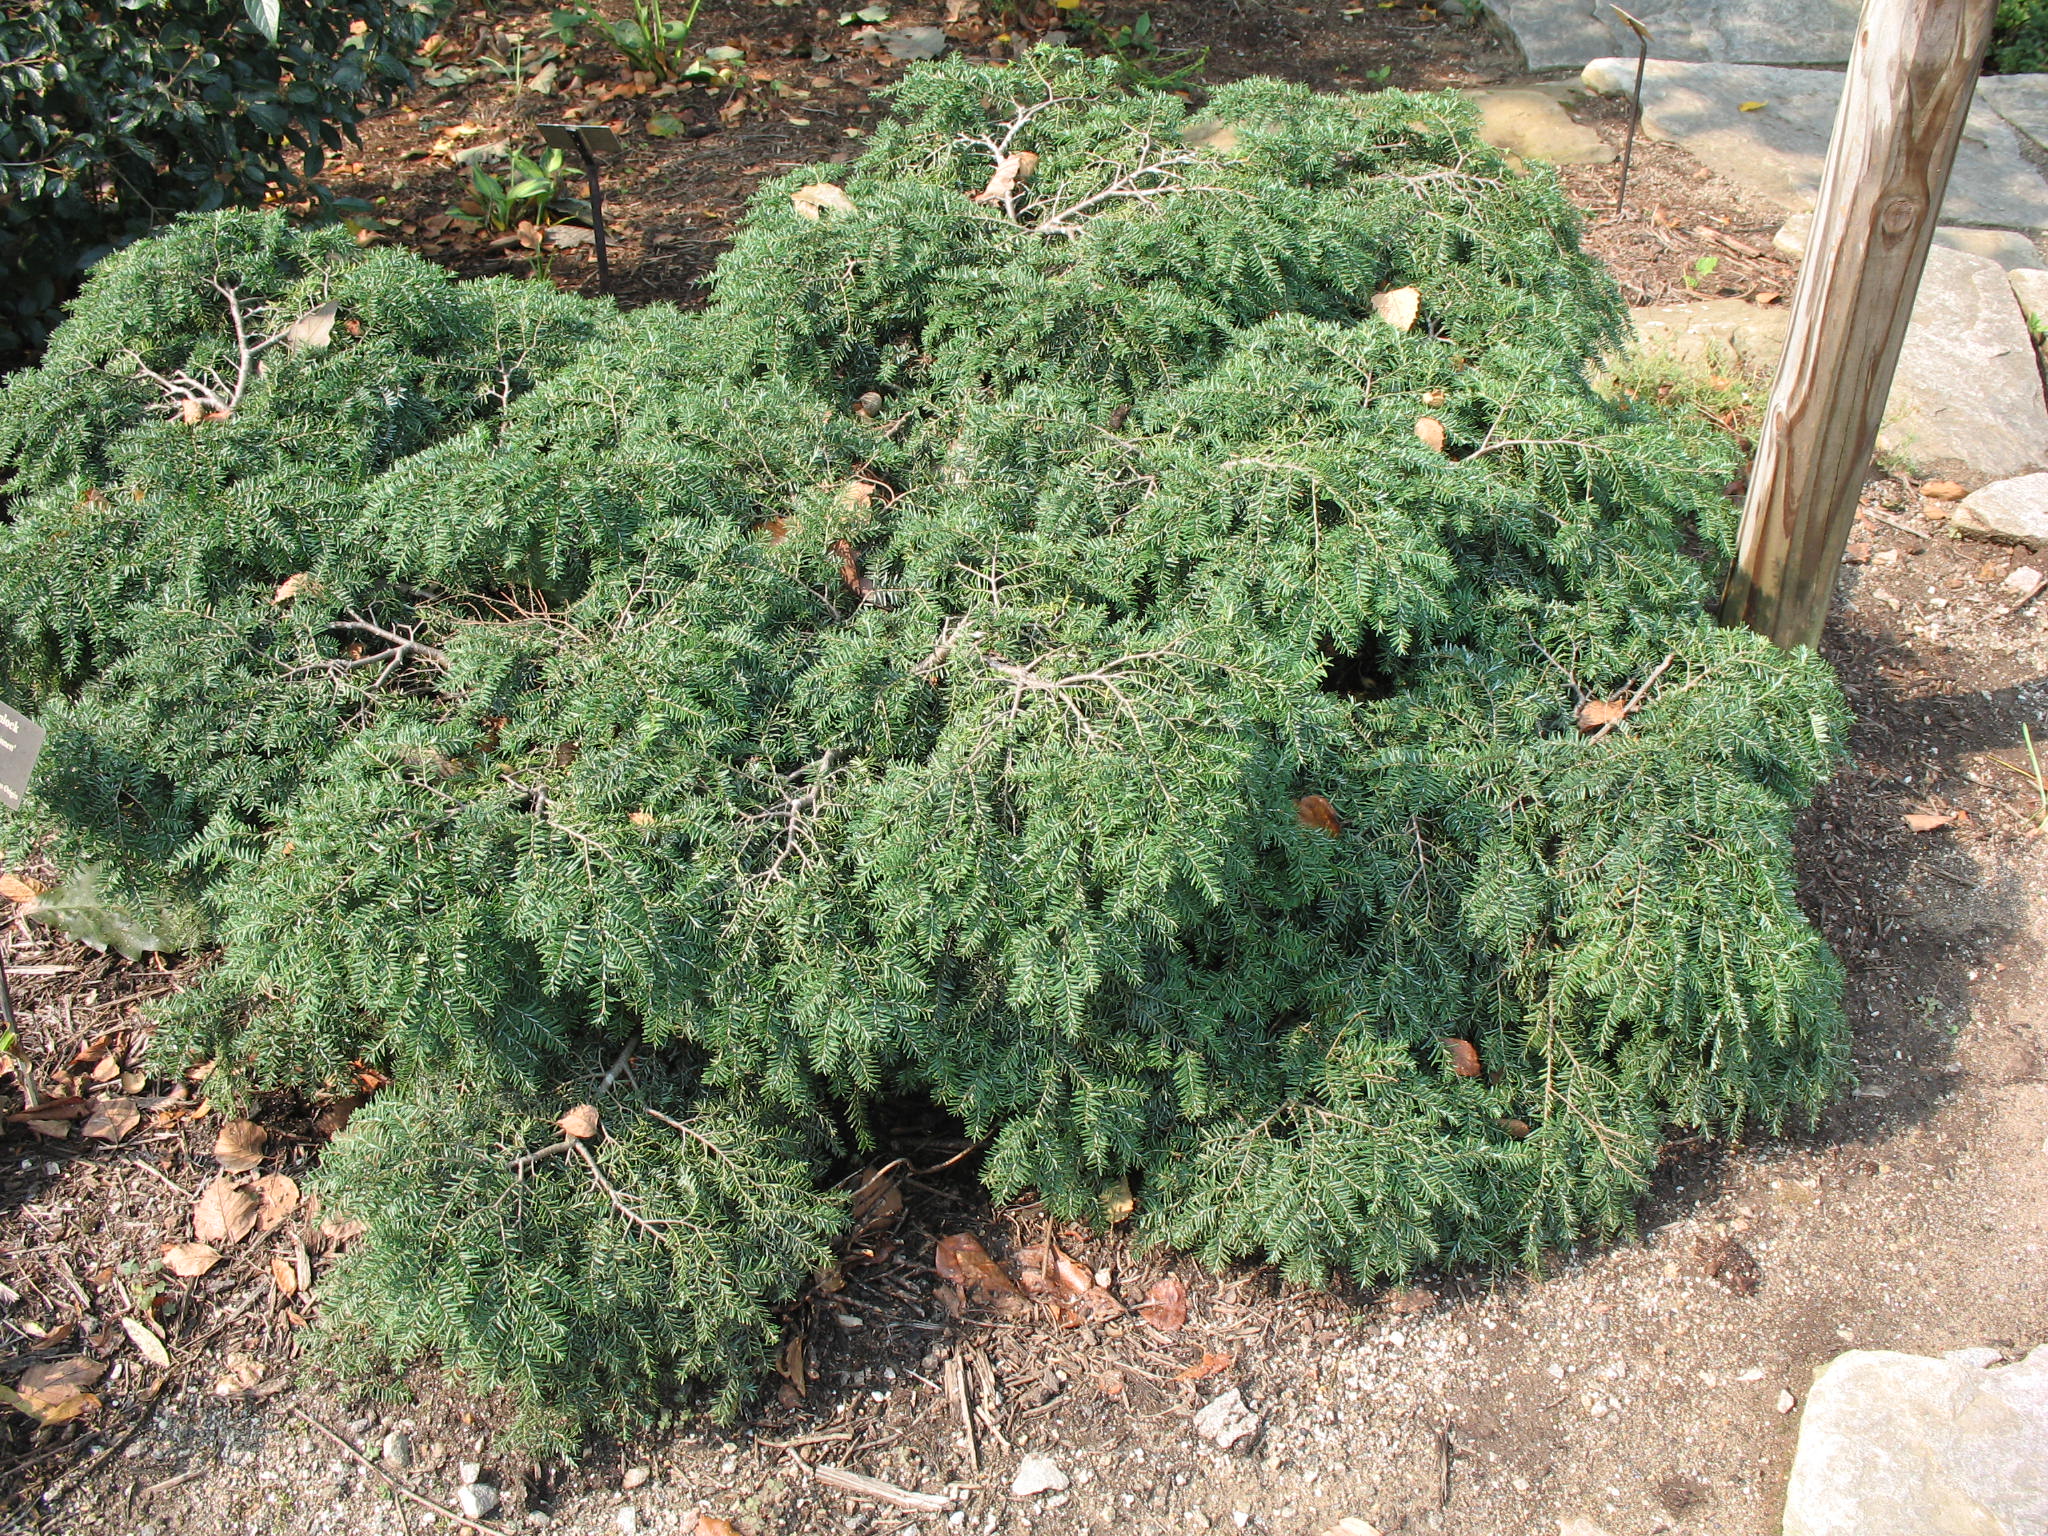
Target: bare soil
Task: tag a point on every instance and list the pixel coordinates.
(1642, 1385)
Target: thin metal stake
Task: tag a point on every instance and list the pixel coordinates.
(604, 276)
(1635, 111)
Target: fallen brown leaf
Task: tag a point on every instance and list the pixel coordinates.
(1317, 813)
(1011, 172)
(1051, 1275)
(876, 1204)
(339, 1234)
(239, 1146)
(711, 1525)
(147, 1342)
(1211, 1364)
(223, 1215)
(50, 1379)
(1930, 821)
(297, 584)
(1598, 714)
(111, 1119)
(284, 1274)
(59, 1407)
(964, 1262)
(810, 201)
(1464, 1057)
(1165, 1305)
(14, 888)
(580, 1123)
(277, 1197)
(1398, 307)
(1943, 490)
(189, 1261)
(1431, 432)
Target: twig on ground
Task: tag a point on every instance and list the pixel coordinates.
(400, 1488)
(881, 1492)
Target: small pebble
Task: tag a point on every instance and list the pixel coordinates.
(472, 1471)
(1037, 1474)
(635, 1476)
(628, 1520)
(476, 1500)
(397, 1453)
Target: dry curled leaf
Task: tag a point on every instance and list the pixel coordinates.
(1398, 307)
(1943, 490)
(1598, 714)
(239, 1146)
(1316, 813)
(1011, 172)
(284, 1274)
(1931, 821)
(60, 1404)
(295, 585)
(1117, 1202)
(1211, 1364)
(1519, 1129)
(962, 1261)
(1069, 1287)
(111, 1119)
(1464, 1057)
(336, 1233)
(189, 1261)
(16, 889)
(876, 1204)
(277, 1197)
(1165, 1305)
(224, 1215)
(580, 1123)
(315, 328)
(148, 1343)
(811, 201)
(1431, 433)
(49, 1379)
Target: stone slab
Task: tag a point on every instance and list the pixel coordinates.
(1775, 149)
(1564, 34)
(1706, 331)
(1966, 400)
(2021, 100)
(1903, 1445)
(2015, 510)
(2008, 247)
(2030, 287)
(1535, 125)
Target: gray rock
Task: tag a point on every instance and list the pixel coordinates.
(913, 42)
(1711, 330)
(1980, 1355)
(1902, 1445)
(1227, 1420)
(2006, 509)
(2030, 287)
(1035, 1475)
(1774, 151)
(2021, 100)
(2009, 248)
(397, 1452)
(469, 1471)
(476, 1500)
(1534, 125)
(1967, 395)
(1561, 34)
(627, 1520)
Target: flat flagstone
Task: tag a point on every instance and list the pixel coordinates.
(1966, 399)
(1766, 130)
(2021, 100)
(1535, 125)
(1903, 1445)
(2008, 247)
(1561, 34)
(1707, 330)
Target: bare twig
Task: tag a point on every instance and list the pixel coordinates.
(400, 1488)
(881, 1492)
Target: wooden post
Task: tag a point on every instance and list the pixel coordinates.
(1911, 74)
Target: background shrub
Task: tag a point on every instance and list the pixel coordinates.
(2019, 38)
(113, 118)
(1030, 653)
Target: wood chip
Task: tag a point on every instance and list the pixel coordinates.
(881, 1492)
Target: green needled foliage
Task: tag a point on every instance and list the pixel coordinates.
(1061, 652)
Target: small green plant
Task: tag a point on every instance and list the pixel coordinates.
(1141, 61)
(1705, 267)
(526, 192)
(649, 40)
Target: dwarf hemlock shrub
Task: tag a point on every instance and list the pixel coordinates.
(1066, 633)
(115, 117)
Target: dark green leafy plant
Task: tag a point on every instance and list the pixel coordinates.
(2019, 38)
(1157, 647)
(526, 192)
(115, 118)
(649, 40)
